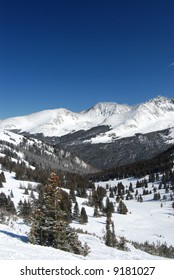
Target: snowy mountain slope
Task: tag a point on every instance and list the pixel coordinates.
(145, 221)
(123, 120)
(38, 151)
(58, 122)
(156, 114)
(14, 246)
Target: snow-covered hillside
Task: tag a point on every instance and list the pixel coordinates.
(123, 120)
(60, 158)
(144, 221)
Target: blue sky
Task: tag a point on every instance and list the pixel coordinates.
(75, 53)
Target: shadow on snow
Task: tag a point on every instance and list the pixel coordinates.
(23, 238)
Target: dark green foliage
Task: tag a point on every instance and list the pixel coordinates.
(72, 195)
(2, 217)
(121, 244)
(81, 190)
(109, 209)
(157, 196)
(96, 212)
(65, 206)
(49, 224)
(24, 209)
(157, 249)
(111, 193)
(26, 191)
(97, 197)
(76, 212)
(158, 164)
(2, 177)
(110, 237)
(122, 209)
(7, 204)
(83, 216)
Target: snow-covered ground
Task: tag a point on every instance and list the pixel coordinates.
(144, 221)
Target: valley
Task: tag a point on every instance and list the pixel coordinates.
(115, 161)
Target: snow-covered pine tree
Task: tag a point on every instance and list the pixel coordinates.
(49, 225)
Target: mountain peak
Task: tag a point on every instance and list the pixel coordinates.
(107, 109)
(123, 120)
(161, 100)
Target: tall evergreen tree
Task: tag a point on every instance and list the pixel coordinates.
(50, 227)
(110, 237)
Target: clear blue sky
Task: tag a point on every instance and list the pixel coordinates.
(75, 53)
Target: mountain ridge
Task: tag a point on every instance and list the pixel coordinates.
(123, 120)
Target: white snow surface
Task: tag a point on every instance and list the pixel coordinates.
(145, 221)
(123, 120)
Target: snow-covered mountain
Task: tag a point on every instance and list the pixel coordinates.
(122, 120)
(24, 159)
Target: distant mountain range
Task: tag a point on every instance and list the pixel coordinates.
(122, 120)
(105, 135)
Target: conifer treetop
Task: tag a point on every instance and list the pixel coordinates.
(54, 180)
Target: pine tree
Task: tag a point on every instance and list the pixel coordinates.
(114, 240)
(96, 212)
(131, 188)
(26, 191)
(122, 209)
(10, 207)
(83, 216)
(72, 195)
(76, 212)
(6, 204)
(25, 209)
(109, 206)
(2, 177)
(50, 226)
(110, 237)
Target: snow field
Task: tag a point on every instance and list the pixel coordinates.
(144, 221)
